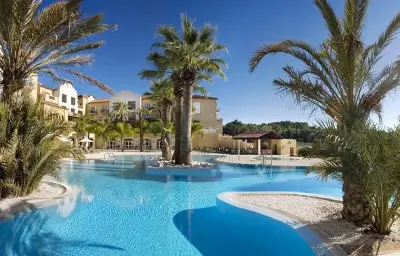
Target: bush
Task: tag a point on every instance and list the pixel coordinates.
(29, 148)
(369, 157)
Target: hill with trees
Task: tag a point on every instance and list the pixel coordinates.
(301, 131)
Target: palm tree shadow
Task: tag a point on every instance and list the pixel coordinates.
(214, 231)
(26, 234)
(343, 235)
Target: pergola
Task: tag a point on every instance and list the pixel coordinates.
(257, 135)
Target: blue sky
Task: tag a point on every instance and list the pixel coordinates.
(243, 27)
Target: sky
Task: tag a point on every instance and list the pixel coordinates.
(243, 26)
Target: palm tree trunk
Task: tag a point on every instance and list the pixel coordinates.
(356, 207)
(186, 138)
(122, 143)
(141, 132)
(166, 135)
(178, 120)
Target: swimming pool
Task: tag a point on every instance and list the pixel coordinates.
(121, 210)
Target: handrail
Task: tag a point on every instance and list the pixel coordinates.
(109, 156)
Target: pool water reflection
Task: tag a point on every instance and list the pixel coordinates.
(119, 209)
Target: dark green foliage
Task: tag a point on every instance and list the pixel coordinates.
(29, 148)
(300, 131)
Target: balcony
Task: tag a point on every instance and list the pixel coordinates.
(49, 98)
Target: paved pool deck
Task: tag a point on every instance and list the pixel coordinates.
(274, 160)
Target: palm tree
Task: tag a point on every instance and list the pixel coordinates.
(84, 125)
(123, 130)
(197, 128)
(162, 94)
(29, 145)
(187, 58)
(143, 125)
(340, 79)
(104, 130)
(45, 40)
(120, 112)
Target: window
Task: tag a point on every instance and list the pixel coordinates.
(93, 110)
(147, 105)
(73, 101)
(196, 107)
(64, 98)
(104, 109)
(131, 105)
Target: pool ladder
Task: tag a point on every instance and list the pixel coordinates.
(109, 156)
(264, 160)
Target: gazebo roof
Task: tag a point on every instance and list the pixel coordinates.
(251, 135)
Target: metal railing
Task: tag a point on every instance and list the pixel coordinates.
(265, 159)
(109, 156)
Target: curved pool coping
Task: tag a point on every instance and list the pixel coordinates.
(316, 238)
(27, 203)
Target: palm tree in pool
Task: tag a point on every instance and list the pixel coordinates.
(45, 41)
(120, 112)
(162, 94)
(187, 57)
(340, 79)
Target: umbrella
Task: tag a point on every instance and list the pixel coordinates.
(86, 140)
(64, 138)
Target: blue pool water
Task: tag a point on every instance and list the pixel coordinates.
(121, 210)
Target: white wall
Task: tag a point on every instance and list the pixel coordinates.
(69, 90)
(125, 96)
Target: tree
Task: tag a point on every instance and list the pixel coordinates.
(340, 79)
(84, 125)
(197, 128)
(120, 112)
(374, 154)
(49, 40)
(162, 94)
(104, 130)
(29, 148)
(188, 57)
(143, 125)
(124, 130)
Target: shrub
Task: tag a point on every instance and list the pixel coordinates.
(370, 157)
(29, 148)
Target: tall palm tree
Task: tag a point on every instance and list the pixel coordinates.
(162, 94)
(187, 58)
(120, 112)
(45, 40)
(340, 79)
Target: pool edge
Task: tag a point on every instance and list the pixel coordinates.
(309, 232)
(26, 204)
